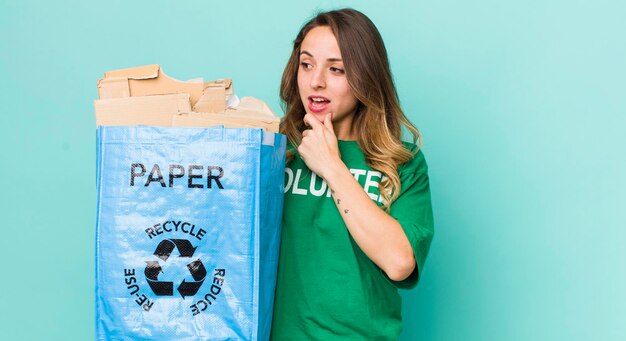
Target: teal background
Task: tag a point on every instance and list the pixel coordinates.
(522, 105)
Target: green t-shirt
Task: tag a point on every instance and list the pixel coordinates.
(327, 288)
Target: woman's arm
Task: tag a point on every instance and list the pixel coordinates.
(378, 234)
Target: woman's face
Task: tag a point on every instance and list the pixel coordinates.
(322, 81)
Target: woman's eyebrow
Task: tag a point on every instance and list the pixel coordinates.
(329, 59)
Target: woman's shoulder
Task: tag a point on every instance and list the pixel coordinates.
(417, 163)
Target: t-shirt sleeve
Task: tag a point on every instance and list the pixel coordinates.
(413, 210)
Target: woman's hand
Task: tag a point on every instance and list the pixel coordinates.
(319, 148)
(379, 235)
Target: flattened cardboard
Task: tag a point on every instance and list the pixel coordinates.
(223, 119)
(145, 110)
(151, 80)
(138, 72)
(212, 99)
(251, 105)
(146, 96)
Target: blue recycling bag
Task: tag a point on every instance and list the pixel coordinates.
(187, 232)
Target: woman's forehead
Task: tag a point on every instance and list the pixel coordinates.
(320, 43)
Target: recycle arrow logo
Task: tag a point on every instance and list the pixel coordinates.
(163, 252)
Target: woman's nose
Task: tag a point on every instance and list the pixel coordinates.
(318, 79)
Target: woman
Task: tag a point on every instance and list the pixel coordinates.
(357, 220)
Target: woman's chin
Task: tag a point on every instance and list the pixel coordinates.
(320, 116)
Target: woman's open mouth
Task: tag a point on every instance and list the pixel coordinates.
(318, 104)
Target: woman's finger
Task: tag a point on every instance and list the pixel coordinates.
(305, 121)
(312, 122)
(328, 123)
(301, 151)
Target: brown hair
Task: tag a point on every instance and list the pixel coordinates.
(378, 119)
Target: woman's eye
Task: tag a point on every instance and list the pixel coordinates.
(337, 70)
(305, 65)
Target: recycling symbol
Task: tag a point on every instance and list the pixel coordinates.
(163, 251)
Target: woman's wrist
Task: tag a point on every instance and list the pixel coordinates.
(334, 172)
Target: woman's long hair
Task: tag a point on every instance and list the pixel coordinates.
(378, 119)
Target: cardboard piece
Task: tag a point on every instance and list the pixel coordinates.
(250, 112)
(151, 80)
(145, 95)
(144, 110)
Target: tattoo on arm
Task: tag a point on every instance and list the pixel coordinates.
(339, 202)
